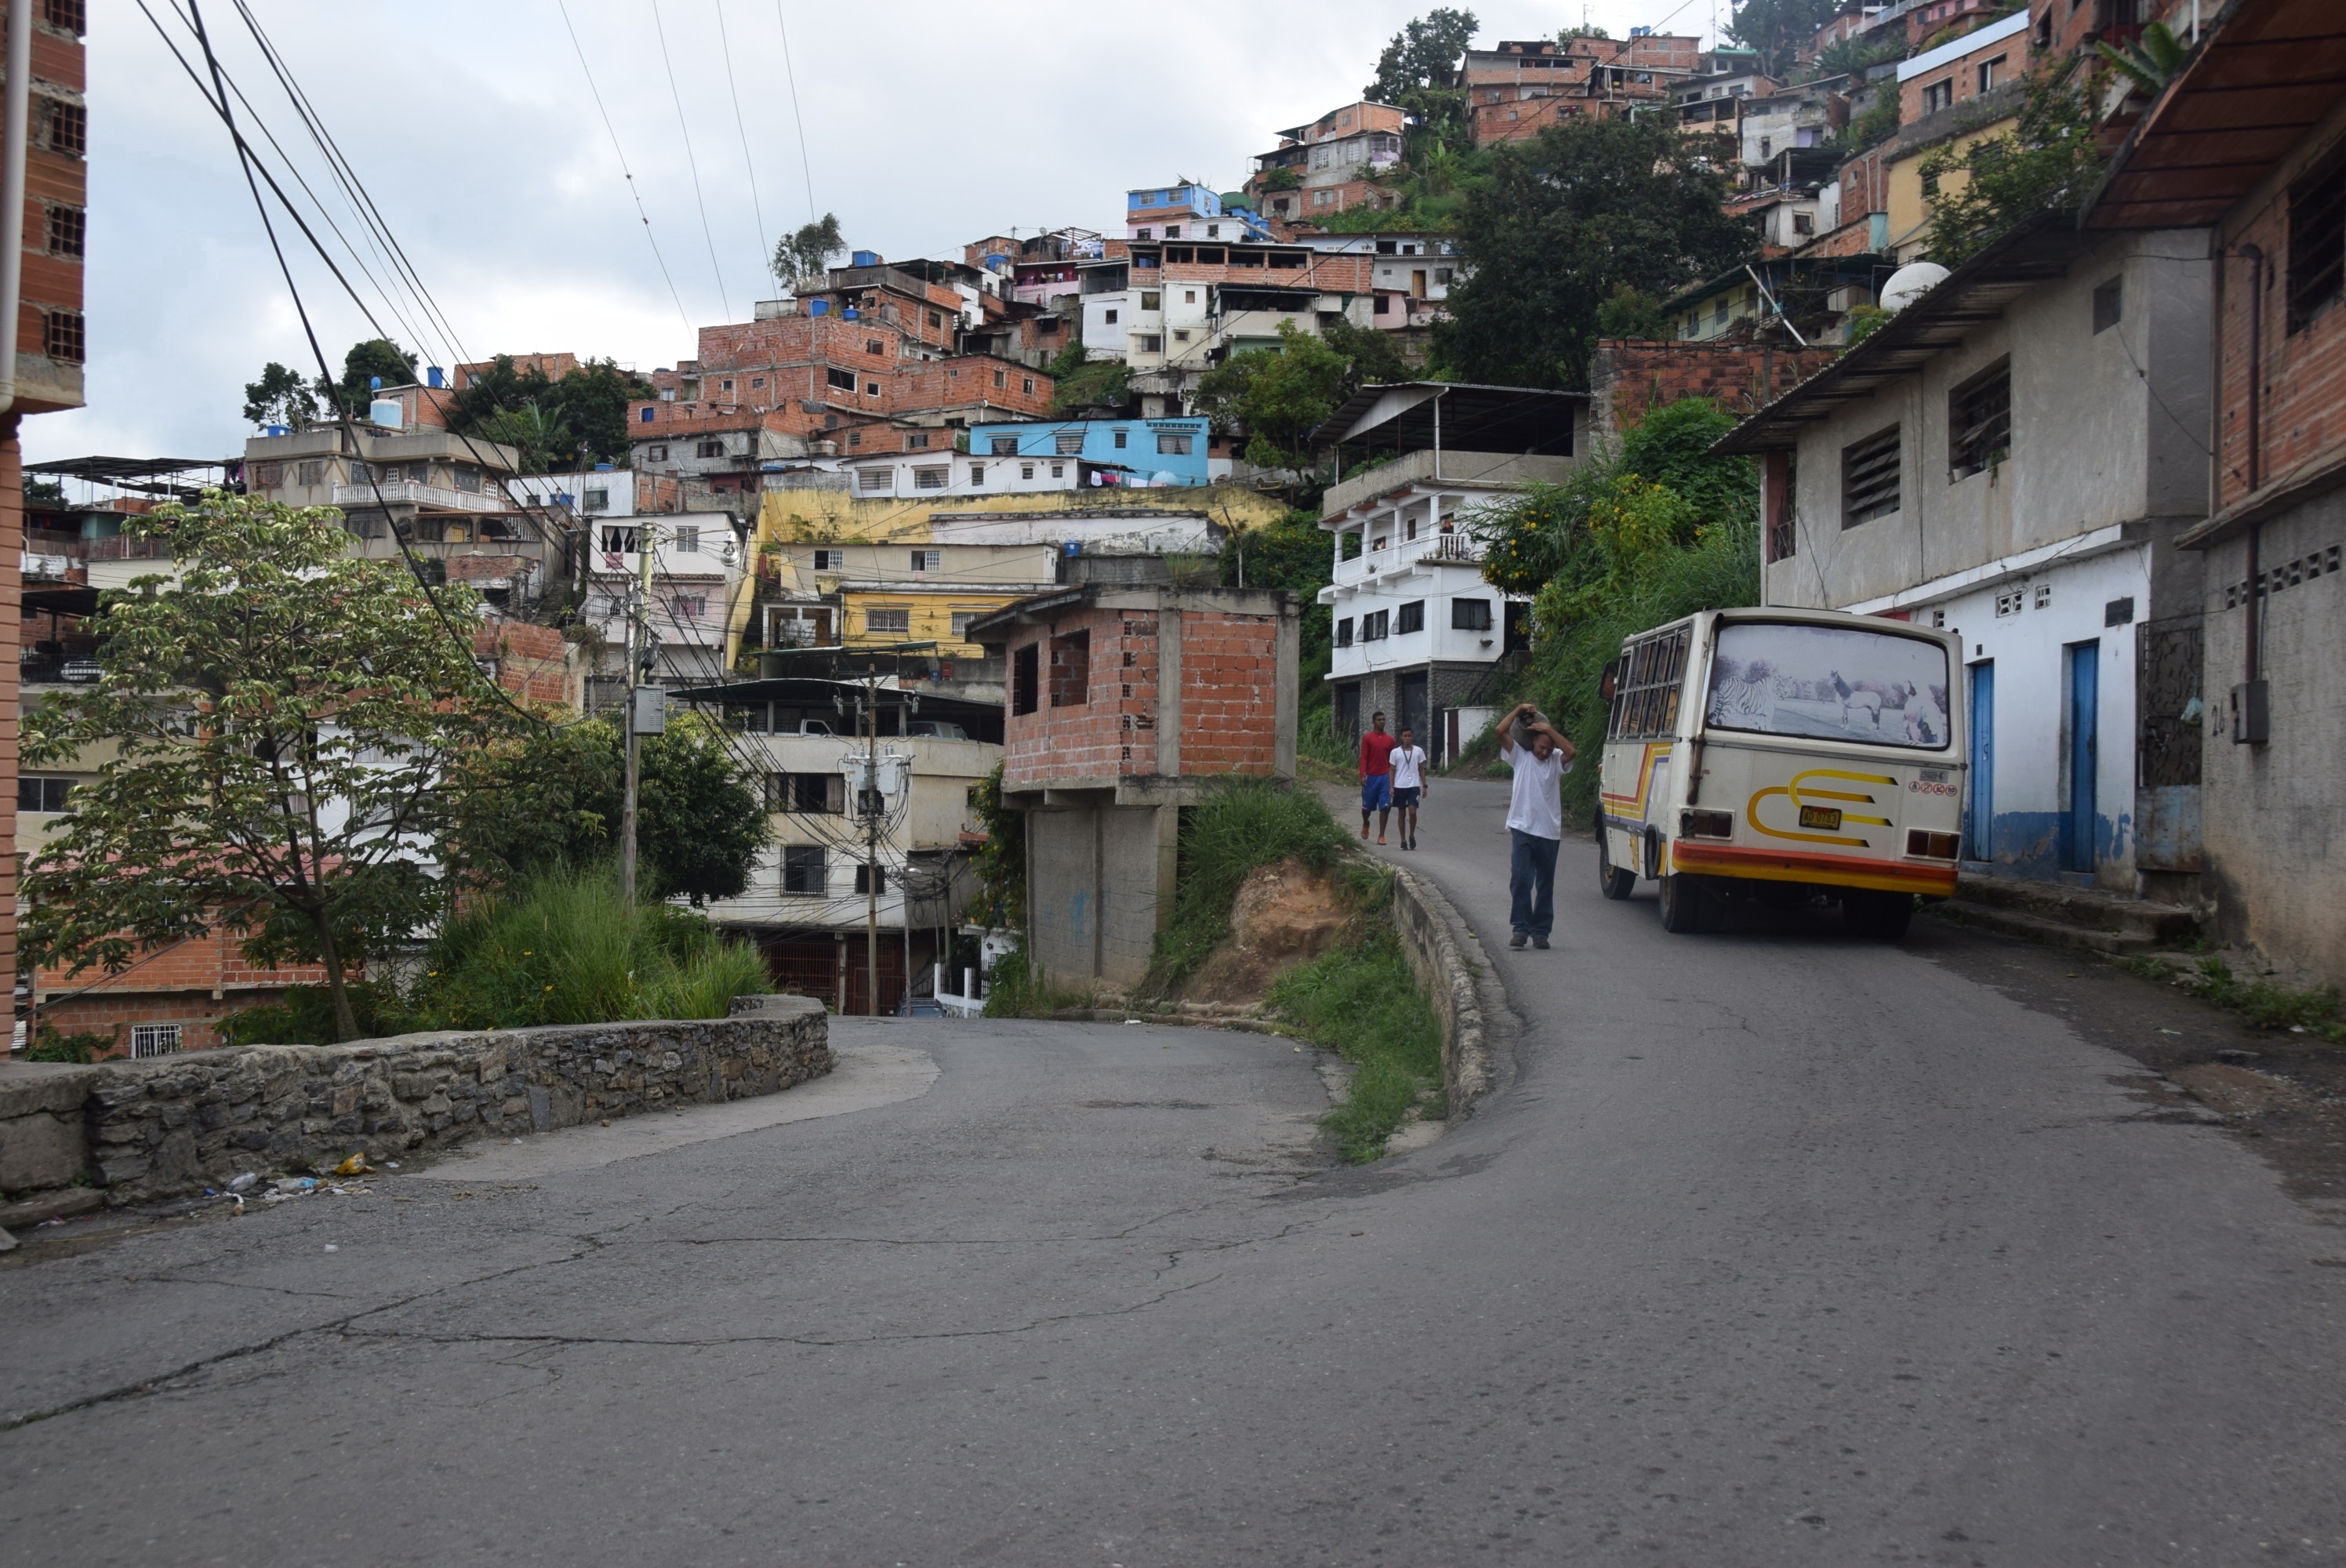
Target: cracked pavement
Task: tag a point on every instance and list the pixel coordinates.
(1775, 1249)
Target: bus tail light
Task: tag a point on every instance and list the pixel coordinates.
(1705, 824)
(1932, 845)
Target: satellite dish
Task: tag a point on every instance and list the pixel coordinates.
(1910, 283)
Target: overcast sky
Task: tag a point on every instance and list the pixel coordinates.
(926, 124)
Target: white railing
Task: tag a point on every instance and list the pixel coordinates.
(1453, 548)
(349, 495)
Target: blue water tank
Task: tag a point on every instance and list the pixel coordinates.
(1072, 547)
(852, 313)
(867, 258)
(818, 307)
(605, 467)
(276, 429)
(374, 383)
(433, 376)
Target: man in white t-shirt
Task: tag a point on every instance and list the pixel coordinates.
(1409, 765)
(1534, 822)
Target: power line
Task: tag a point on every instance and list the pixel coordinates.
(790, 76)
(765, 252)
(676, 95)
(634, 191)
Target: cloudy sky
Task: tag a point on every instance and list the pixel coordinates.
(473, 129)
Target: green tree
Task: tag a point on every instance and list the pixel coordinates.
(1277, 396)
(555, 423)
(280, 397)
(802, 257)
(2047, 162)
(281, 718)
(701, 818)
(373, 359)
(1563, 221)
(1424, 54)
(1779, 30)
(1630, 314)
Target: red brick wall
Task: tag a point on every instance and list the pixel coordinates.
(1631, 377)
(534, 662)
(176, 984)
(2303, 380)
(1230, 693)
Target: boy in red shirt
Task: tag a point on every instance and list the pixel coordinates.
(1376, 775)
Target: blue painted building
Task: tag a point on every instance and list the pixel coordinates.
(1186, 212)
(1155, 451)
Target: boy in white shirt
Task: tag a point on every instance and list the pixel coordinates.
(1409, 785)
(1534, 822)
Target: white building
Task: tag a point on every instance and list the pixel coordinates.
(700, 598)
(1419, 635)
(2011, 457)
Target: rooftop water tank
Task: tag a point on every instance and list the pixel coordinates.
(604, 467)
(867, 258)
(276, 429)
(852, 313)
(433, 376)
(386, 410)
(818, 307)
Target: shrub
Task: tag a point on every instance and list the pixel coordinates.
(1242, 823)
(81, 1045)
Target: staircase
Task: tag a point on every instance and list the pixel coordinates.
(2064, 916)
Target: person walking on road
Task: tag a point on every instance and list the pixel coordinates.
(1534, 822)
(1409, 786)
(1376, 775)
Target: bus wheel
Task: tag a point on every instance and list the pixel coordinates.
(1611, 881)
(1683, 905)
(1877, 917)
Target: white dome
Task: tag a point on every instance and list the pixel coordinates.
(1910, 283)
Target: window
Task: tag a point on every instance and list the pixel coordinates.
(1884, 688)
(1802, 223)
(155, 1039)
(1979, 422)
(1992, 71)
(309, 473)
(686, 608)
(1345, 633)
(842, 381)
(1025, 668)
(871, 389)
(831, 560)
(871, 346)
(1026, 386)
(1144, 234)
(854, 439)
(1376, 626)
(688, 539)
(977, 473)
(67, 226)
(1939, 96)
(931, 478)
(756, 382)
(870, 879)
(928, 560)
(808, 793)
(2317, 241)
(1058, 471)
(656, 453)
(1175, 444)
(1180, 334)
(2012, 602)
(1413, 617)
(1189, 296)
(1003, 445)
(1869, 478)
(597, 501)
(1150, 300)
(916, 441)
(961, 622)
(42, 794)
(69, 129)
(1071, 669)
(360, 474)
(872, 480)
(803, 872)
(2043, 597)
(1172, 231)
(2110, 304)
(1110, 316)
(61, 335)
(1025, 471)
(725, 386)
(888, 620)
(1119, 441)
(1152, 343)
(1645, 692)
(1000, 379)
(646, 416)
(1067, 443)
(936, 321)
(1470, 614)
(618, 541)
(70, 16)
(1384, 305)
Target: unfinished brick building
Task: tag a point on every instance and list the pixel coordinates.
(1123, 702)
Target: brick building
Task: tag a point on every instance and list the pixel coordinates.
(1628, 378)
(1125, 701)
(1523, 85)
(1328, 166)
(49, 343)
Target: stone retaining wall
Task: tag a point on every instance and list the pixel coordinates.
(176, 1124)
(1449, 963)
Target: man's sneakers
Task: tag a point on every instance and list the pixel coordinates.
(1517, 940)
(1540, 942)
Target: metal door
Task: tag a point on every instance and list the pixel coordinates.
(2085, 755)
(1410, 698)
(1979, 813)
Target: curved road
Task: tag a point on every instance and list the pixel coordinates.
(1779, 1248)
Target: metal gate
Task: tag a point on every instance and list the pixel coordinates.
(2168, 733)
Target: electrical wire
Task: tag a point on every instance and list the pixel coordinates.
(790, 76)
(757, 207)
(692, 163)
(634, 190)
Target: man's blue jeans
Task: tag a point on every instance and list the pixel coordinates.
(1531, 879)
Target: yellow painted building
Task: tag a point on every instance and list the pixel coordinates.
(1910, 204)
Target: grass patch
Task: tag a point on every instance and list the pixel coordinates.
(2260, 1001)
(1361, 1001)
(1019, 988)
(1242, 823)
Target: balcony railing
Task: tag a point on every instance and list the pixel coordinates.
(1453, 548)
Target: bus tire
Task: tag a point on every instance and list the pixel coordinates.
(1612, 880)
(1876, 916)
(1682, 904)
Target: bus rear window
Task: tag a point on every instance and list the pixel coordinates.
(1828, 683)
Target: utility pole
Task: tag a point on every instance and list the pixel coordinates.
(870, 782)
(639, 644)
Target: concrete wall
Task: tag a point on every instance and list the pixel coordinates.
(1094, 875)
(177, 1124)
(2275, 846)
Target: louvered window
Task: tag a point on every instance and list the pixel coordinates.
(1869, 478)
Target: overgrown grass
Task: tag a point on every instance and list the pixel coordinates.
(560, 948)
(1019, 988)
(2260, 1001)
(1361, 1001)
(1242, 823)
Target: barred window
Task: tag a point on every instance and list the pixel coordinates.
(61, 335)
(68, 126)
(1979, 422)
(2317, 241)
(808, 794)
(928, 560)
(803, 872)
(1003, 446)
(916, 441)
(931, 478)
(883, 618)
(66, 230)
(1869, 478)
(870, 479)
(71, 15)
(155, 1039)
(1413, 617)
(1068, 443)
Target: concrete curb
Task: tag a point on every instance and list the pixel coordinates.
(1463, 982)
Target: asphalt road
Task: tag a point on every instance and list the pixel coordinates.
(1779, 1249)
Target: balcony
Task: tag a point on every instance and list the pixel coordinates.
(1453, 549)
(1480, 470)
(406, 494)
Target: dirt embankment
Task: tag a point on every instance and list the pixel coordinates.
(1286, 914)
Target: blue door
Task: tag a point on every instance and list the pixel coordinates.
(2085, 755)
(1979, 817)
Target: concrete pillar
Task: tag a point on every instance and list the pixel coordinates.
(12, 615)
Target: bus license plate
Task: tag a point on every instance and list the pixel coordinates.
(1825, 817)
